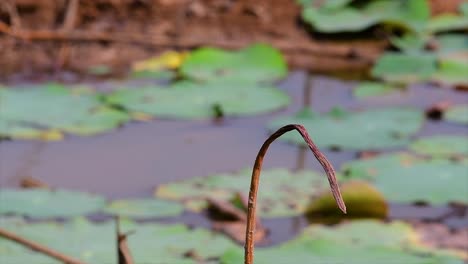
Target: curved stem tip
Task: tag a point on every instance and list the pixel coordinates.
(250, 230)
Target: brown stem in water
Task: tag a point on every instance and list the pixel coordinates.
(249, 233)
(39, 248)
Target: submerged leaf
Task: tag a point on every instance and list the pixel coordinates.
(42, 203)
(372, 129)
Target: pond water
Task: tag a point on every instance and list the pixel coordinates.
(132, 160)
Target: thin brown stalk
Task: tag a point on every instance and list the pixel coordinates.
(39, 248)
(250, 230)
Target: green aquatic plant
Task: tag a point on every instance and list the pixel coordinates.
(252, 201)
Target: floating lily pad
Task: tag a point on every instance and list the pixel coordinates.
(96, 243)
(371, 89)
(452, 71)
(440, 146)
(20, 131)
(176, 244)
(451, 43)
(372, 129)
(410, 43)
(41, 203)
(409, 15)
(404, 68)
(144, 208)
(187, 100)
(259, 62)
(350, 243)
(28, 113)
(447, 22)
(404, 178)
(282, 193)
(457, 114)
(91, 243)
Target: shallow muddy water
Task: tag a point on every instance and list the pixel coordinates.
(132, 160)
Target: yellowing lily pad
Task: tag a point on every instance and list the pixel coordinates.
(144, 208)
(282, 193)
(404, 178)
(34, 112)
(441, 146)
(188, 100)
(256, 63)
(371, 129)
(358, 242)
(42, 203)
(159, 67)
(362, 201)
(457, 114)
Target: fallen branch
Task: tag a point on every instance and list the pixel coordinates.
(39, 248)
(250, 230)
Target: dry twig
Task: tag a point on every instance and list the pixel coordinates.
(250, 230)
(39, 248)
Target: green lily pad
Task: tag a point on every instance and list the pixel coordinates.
(440, 146)
(281, 194)
(457, 114)
(404, 68)
(187, 100)
(95, 243)
(452, 71)
(25, 113)
(350, 243)
(259, 62)
(21, 131)
(409, 15)
(404, 178)
(447, 22)
(452, 43)
(372, 129)
(91, 243)
(144, 208)
(172, 244)
(371, 89)
(410, 43)
(41, 203)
